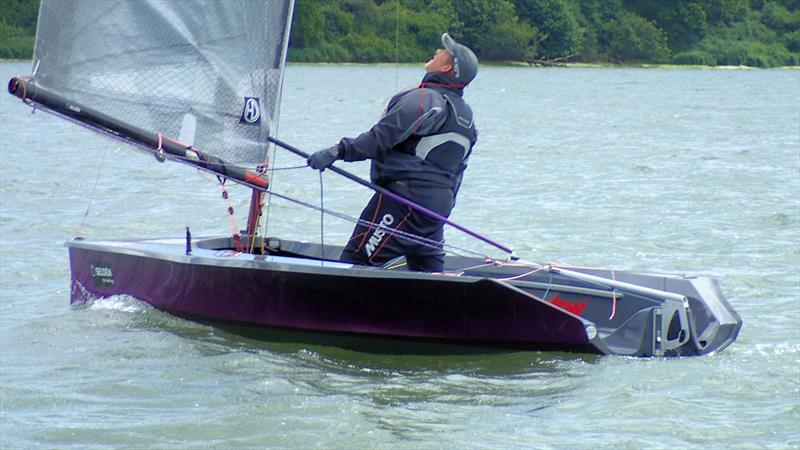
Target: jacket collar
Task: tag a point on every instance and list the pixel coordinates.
(442, 81)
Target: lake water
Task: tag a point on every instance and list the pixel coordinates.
(687, 171)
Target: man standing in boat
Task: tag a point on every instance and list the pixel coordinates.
(419, 150)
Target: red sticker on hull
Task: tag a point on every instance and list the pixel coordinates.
(568, 305)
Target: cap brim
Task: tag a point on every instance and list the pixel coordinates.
(448, 42)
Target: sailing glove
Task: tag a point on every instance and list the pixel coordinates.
(323, 159)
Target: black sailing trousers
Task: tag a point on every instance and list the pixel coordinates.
(382, 232)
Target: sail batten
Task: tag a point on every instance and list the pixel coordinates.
(150, 63)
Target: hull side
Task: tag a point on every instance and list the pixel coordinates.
(268, 292)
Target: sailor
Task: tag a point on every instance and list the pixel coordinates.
(419, 150)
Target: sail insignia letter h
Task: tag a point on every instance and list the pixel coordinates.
(251, 112)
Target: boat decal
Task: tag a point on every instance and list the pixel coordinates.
(101, 274)
(575, 307)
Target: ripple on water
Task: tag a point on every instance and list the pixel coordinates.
(610, 172)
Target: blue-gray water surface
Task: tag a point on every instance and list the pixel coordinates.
(665, 170)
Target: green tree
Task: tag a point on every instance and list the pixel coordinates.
(416, 32)
(762, 33)
(778, 18)
(308, 24)
(17, 27)
(493, 30)
(725, 12)
(561, 34)
(595, 18)
(684, 21)
(20, 14)
(634, 38)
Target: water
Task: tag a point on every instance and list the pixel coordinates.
(689, 171)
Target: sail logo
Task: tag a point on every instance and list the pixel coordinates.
(377, 236)
(251, 112)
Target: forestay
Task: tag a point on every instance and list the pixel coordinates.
(204, 71)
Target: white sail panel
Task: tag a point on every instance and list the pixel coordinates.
(152, 63)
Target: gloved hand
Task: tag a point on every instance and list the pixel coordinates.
(323, 158)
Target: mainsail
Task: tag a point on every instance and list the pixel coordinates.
(204, 72)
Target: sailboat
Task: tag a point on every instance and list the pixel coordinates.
(200, 85)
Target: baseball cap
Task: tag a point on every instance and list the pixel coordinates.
(465, 63)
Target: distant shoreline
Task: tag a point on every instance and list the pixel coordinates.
(520, 64)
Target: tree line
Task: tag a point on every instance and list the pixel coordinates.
(759, 33)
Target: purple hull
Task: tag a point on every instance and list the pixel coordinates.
(422, 306)
(306, 294)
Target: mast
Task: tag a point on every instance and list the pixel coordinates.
(257, 196)
(254, 215)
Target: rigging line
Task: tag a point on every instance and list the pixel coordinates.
(237, 238)
(549, 285)
(321, 219)
(268, 199)
(372, 225)
(613, 298)
(260, 199)
(523, 275)
(288, 168)
(91, 197)
(397, 47)
(412, 237)
(232, 165)
(258, 196)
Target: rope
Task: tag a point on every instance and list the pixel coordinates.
(397, 46)
(288, 168)
(522, 275)
(159, 154)
(24, 85)
(237, 238)
(613, 297)
(79, 231)
(271, 185)
(321, 218)
(260, 196)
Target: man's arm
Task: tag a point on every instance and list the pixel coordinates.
(418, 112)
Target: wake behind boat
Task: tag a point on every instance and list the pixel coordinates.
(191, 83)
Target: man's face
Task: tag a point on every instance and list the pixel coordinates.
(440, 62)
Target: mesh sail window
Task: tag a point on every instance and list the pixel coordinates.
(206, 71)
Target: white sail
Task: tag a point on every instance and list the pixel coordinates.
(165, 66)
